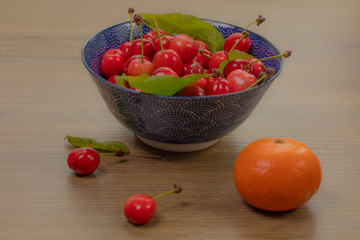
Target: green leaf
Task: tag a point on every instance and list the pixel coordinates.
(176, 23)
(120, 80)
(109, 146)
(234, 54)
(162, 85)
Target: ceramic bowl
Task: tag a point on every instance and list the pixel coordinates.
(175, 123)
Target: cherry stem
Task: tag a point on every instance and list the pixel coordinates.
(177, 189)
(285, 55)
(201, 51)
(142, 45)
(237, 42)
(131, 11)
(261, 79)
(152, 28)
(159, 35)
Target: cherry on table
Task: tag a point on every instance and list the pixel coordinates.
(84, 160)
(140, 208)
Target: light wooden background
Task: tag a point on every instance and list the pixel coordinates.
(46, 93)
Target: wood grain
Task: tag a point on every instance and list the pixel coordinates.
(46, 93)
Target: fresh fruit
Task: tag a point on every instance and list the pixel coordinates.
(127, 62)
(216, 59)
(277, 174)
(146, 46)
(243, 44)
(139, 209)
(191, 91)
(168, 58)
(185, 46)
(84, 160)
(165, 43)
(240, 80)
(138, 66)
(112, 62)
(217, 85)
(201, 45)
(191, 67)
(237, 64)
(164, 71)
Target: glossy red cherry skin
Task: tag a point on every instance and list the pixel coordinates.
(137, 67)
(84, 160)
(201, 45)
(169, 58)
(244, 45)
(149, 50)
(139, 209)
(236, 64)
(185, 46)
(256, 68)
(191, 67)
(112, 79)
(204, 59)
(164, 71)
(112, 62)
(127, 47)
(127, 62)
(240, 80)
(191, 91)
(216, 59)
(202, 82)
(152, 35)
(217, 86)
(164, 41)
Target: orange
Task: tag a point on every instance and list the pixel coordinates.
(277, 174)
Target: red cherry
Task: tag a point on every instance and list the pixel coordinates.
(126, 63)
(256, 68)
(137, 67)
(149, 50)
(84, 160)
(206, 56)
(191, 91)
(236, 64)
(185, 46)
(139, 209)
(112, 62)
(112, 79)
(244, 44)
(217, 86)
(127, 47)
(168, 58)
(164, 71)
(201, 45)
(165, 43)
(216, 59)
(240, 80)
(152, 35)
(202, 82)
(191, 67)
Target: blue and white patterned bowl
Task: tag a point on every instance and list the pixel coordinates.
(176, 123)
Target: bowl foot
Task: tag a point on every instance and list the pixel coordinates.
(178, 147)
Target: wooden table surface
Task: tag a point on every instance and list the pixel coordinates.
(46, 93)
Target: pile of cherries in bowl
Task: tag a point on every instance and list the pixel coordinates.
(156, 53)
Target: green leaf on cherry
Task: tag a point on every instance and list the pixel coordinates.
(176, 23)
(162, 85)
(120, 80)
(232, 55)
(107, 146)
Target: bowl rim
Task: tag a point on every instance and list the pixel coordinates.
(178, 97)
